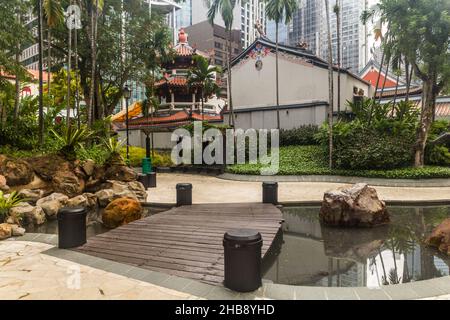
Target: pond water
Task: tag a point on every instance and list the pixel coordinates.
(310, 254)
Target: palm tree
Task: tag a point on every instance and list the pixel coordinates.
(226, 8)
(337, 11)
(276, 10)
(54, 16)
(203, 75)
(93, 39)
(330, 87)
(41, 85)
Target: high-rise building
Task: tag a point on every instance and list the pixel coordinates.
(283, 32)
(245, 16)
(309, 25)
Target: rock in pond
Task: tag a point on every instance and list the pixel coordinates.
(121, 211)
(106, 196)
(28, 214)
(357, 206)
(88, 167)
(3, 185)
(52, 203)
(31, 196)
(78, 201)
(5, 231)
(17, 231)
(440, 237)
(68, 183)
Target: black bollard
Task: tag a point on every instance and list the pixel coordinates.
(184, 194)
(151, 179)
(71, 227)
(270, 192)
(142, 178)
(242, 249)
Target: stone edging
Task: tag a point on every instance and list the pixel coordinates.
(340, 179)
(413, 290)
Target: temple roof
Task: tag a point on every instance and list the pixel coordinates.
(183, 48)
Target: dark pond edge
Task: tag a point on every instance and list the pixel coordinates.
(405, 291)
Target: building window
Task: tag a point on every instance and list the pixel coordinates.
(218, 45)
(218, 62)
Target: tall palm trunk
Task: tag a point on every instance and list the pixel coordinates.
(379, 75)
(69, 63)
(94, 62)
(41, 85)
(330, 88)
(230, 96)
(276, 76)
(49, 65)
(426, 118)
(384, 82)
(17, 83)
(77, 93)
(338, 28)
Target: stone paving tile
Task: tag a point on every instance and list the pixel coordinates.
(310, 293)
(27, 273)
(279, 291)
(371, 294)
(341, 294)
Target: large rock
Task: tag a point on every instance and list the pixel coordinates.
(88, 167)
(138, 189)
(31, 196)
(27, 214)
(68, 183)
(17, 231)
(46, 166)
(16, 171)
(91, 200)
(52, 203)
(78, 201)
(105, 196)
(5, 231)
(120, 173)
(121, 211)
(357, 206)
(440, 237)
(3, 185)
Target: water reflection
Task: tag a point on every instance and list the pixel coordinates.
(312, 254)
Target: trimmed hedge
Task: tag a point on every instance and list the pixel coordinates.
(311, 160)
(301, 136)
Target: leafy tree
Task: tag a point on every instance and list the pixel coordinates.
(226, 8)
(276, 10)
(420, 30)
(203, 76)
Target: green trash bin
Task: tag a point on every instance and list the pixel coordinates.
(146, 165)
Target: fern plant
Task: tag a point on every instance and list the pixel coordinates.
(114, 146)
(8, 202)
(70, 139)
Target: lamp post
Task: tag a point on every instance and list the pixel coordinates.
(127, 95)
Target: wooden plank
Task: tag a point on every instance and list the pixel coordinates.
(185, 241)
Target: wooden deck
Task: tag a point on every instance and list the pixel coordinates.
(185, 241)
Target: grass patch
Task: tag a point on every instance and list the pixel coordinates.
(311, 160)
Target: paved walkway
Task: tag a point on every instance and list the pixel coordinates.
(26, 273)
(210, 189)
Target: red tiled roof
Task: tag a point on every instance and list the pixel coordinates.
(170, 121)
(176, 81)
(33, 74)
(400, 92)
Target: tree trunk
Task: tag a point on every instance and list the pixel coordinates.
(276, 76)
(40, 57)
(69, 62)
(330, 88)
(379, 75)
(426, 117)
(338, 27)
(408, 79)
(384, 82)
(49, 65)
(77, 90)
(230, 98)
(93, 61)
(17, 84)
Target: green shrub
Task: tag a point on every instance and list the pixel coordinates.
(137, 154)
(301, 136)
(312, 160)
(438, 154)
(7, 203)
(96, 152)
